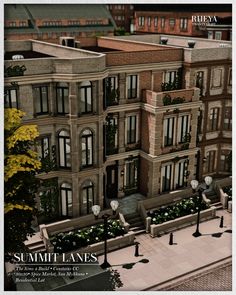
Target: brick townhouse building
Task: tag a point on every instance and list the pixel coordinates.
(122, 14)
(51, 21)
(129, 116)
(176, 19)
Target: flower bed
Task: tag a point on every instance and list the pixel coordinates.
(76, 239)
(172, 225)
(179, 209)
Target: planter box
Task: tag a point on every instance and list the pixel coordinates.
(112, 244)
(159, 229)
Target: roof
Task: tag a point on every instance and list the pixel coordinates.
(13, 12)
(184, 7)
(59, 29)
(68, 11)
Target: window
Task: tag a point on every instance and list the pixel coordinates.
(12, 24)
(170, 76)
(86, 97)
(141, 21)
(183, 128)
(87, 148)
(155, 21)
(162, 22)
(131, 173)
(183, 23)
(210, 35)
(10, 98)
(41, 99)
(149, 20)
(210, 161)
(172, 22)
(216, 77)
(200, 81)
(230, 77)
(218, 35)
(131, 129)
(43, 147)
(228, 118)
(64, 149)
(181, 167)
(132, 86)
(62, 98)
(214, 116)
(22, 24)
(224, 161)
(66, 200)
(166, 173)
(169, 131)
(87, 197)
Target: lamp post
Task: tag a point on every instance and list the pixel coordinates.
(96, 210)
(200, 190)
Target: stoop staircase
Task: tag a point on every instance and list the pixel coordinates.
(136, 222)
(35, 244)
(215, 200)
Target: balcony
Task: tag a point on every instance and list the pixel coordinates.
(175, 97)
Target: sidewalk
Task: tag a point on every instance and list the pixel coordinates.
(169, 261)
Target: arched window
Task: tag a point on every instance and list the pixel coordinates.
(86, 97)
(87, 148)
(62, 98)
(66, 199)
(87, 197)
(64, 149)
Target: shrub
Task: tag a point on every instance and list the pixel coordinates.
(179, 209)
(68, 241)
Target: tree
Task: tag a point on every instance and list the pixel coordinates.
(21, 164)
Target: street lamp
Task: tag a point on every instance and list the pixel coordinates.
(200, 190)
(96, 210)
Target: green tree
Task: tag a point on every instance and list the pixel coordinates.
(21, 165)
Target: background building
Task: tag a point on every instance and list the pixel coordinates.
(51, 21)
(176, 19)
(122, 14)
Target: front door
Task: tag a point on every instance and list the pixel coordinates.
(112, 182)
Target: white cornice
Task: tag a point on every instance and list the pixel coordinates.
(182, 106)
(168, 156)
(145, 67)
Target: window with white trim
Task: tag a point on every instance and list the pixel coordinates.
(62, 91)
(162, 22)
(155, 21)
(87, 148)
(87, 197)
(183, 23)
(40, 94)
(141, 21)
(86, 97)
(131, 129)
(168, 126)
(64, 149)
(132, 85)
(218, 35)
(10, 98)
(166, 177)
(183, 128)
(228, 118)
(66, 200)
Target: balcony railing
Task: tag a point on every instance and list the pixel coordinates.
(160, 99)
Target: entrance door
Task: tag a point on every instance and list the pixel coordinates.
(112, 182)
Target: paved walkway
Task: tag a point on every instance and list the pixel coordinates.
(166, 261)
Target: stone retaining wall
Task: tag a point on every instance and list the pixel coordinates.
(159, 229)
